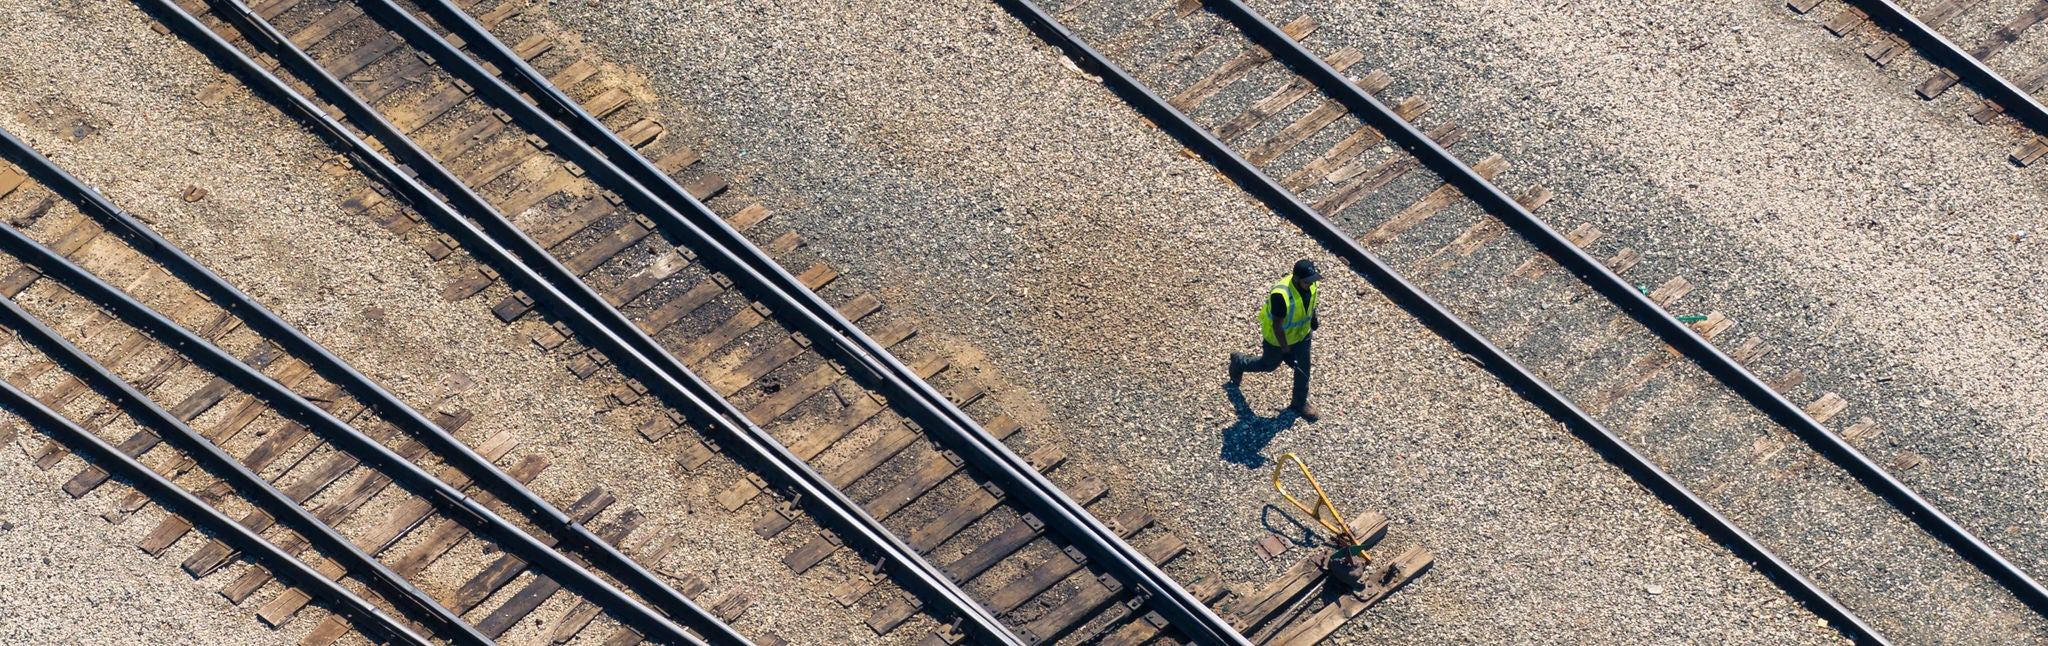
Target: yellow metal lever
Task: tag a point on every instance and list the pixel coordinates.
(1346, 542)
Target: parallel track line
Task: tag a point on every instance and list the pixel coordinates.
(449, 498)
(1641, 306)
(669, 202)
(1425, 307)
(577, 301)
(184, 503)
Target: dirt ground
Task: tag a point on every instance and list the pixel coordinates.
(1877, 241)
(946, 157)
(963, 171)
(74, 579)
(273, 223)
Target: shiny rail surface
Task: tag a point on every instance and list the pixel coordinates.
(1412, 297)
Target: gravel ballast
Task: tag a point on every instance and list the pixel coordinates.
(70, 577)
(947, 160)
(273, 223)
(1866, 235)
(961, 170)
(73, 579)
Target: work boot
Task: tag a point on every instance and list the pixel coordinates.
(1236, 372)
(1308, 411)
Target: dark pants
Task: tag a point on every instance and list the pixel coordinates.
(1270, 359)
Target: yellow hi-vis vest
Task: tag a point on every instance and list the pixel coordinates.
(1299, 311)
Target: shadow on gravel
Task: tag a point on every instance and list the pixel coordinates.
(1300, 535)
(1244, 439)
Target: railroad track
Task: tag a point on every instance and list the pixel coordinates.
(266, 445)
(1593, 338)
(1883, 31)
(579, 223)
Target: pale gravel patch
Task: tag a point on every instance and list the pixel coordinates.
(1809, 193)
(273, 225)
(939, 151)
(73, 579)
(70, 577)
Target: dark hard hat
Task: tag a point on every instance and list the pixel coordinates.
(1305, 271)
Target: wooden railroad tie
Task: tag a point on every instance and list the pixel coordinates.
(516, 175)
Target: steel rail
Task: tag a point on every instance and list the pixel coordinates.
(623, 338)
(816, 317)
(262, 319)
(1440, 318)
(486, 522)
(263, 493)
(1977, 73)
(177, 500)
(1636, 303)
(347, 438)
(979, 620)
(549, 290)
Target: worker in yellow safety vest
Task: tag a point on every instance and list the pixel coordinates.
(1287, 321)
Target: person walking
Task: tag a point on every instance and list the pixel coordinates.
(1287, 323)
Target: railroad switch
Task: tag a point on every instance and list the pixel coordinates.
(1348, 561)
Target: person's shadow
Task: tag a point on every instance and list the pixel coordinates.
(1244, 439)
